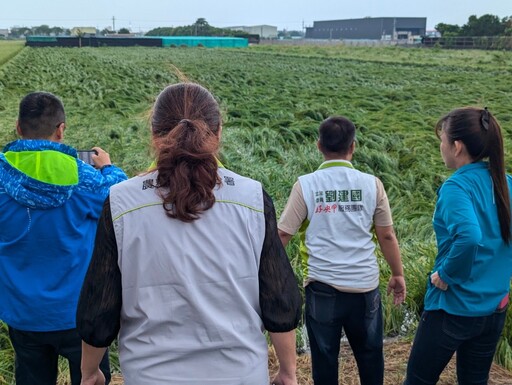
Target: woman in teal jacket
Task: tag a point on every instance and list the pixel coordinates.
(467, 293)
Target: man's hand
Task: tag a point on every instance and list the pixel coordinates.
(438, 282)
(397, 286)
(101, 159)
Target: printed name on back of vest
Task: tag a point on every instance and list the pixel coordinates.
(342, 201)
(229, 180)
(148, 183)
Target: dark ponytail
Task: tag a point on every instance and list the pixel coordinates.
(481, 134)
(186, 124)
(499, 178)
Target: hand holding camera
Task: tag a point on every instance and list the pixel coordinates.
(97, 157)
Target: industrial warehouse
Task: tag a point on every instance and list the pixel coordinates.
(369, 28)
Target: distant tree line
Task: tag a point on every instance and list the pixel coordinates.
(46, 30)
(200, 28)
(486, 25)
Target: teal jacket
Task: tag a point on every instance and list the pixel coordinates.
(50, 203)
(472, 257)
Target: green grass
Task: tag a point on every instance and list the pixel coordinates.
(9, 49)
(408, 55)
(6, 357)
(273, 99)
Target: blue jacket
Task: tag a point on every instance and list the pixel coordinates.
(472, 257)
(50, 203)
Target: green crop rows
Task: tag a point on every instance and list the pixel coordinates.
(273, 99)
(9, 49)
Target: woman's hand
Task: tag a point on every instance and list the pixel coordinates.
(438, 282)
(96, 378)
(285, 379)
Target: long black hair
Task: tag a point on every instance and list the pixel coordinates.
(480, 132)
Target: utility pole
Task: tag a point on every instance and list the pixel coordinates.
(113, 24)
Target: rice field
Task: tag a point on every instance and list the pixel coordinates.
(9, 49)
(273, 99)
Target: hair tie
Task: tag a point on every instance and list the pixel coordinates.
(484, 118)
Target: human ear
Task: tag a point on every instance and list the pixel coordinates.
(18, 129)
(459, 147)
(59, 132)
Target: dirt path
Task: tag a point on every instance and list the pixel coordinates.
(396, 354)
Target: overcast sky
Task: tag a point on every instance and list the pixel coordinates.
(290, 14)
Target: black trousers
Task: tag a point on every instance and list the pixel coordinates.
(328, 311)
(37, 355)
(440, 335)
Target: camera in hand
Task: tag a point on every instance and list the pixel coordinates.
(85, 155)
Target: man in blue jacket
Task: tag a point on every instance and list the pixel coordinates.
(50, 202)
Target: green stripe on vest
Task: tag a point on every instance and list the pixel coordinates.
(52, 167)
(337, 163)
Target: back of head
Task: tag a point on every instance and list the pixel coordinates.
(475, 127)
(186, 124)
(481, 134)
(40, 114)
(337, 134)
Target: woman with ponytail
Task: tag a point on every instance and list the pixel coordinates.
(468, 289)
(188, 267)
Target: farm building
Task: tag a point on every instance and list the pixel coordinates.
(371, 28)
(4, 32)
(265, 31)
(83, 31)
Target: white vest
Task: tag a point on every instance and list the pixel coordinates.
(336, 239)
(190, 312)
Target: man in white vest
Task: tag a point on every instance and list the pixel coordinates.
(334, 210)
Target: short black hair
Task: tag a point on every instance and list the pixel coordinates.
(40, 114)
(337, 134)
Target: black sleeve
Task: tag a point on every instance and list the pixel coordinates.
(99, 307)
(280, 299)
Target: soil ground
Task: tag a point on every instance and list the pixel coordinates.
(396, 354)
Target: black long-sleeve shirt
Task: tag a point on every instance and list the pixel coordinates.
(99, 307)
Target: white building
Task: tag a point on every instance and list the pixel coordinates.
(84, 31)
(265, 31)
